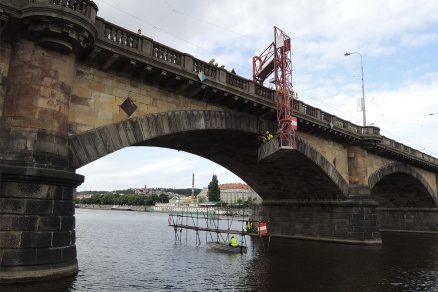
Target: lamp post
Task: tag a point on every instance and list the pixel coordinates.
(363, 88)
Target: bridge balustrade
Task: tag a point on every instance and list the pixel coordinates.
(311, 111)
(264, 92)
(166, 54)
(326, 117)
(84, 7)
(340, 123)
(355, 129)
(120, 36)
(234, 80)
(208, 69)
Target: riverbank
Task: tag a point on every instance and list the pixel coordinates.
(172, 210)
(108, 207)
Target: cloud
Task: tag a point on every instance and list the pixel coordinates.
(151, 166)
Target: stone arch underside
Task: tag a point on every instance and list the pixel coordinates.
(399, 185)
(227, 138)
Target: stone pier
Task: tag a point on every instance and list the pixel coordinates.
(37, 223)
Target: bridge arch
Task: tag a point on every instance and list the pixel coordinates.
(227, 138)
(399, 185)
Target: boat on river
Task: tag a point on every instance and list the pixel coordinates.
(223, 246)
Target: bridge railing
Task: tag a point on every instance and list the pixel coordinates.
(237, 81)
(408, 150)
(84, 7)
(208, 69)
(166, 54)
(115, 34)
(264, 92)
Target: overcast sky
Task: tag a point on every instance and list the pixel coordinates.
(397, 39)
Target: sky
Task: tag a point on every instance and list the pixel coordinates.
(398, 41)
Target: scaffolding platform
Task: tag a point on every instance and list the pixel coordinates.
(271, 151)
(217, 228)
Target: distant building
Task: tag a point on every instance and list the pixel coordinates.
(81, 195)
(233, 192)
(202, 196)
(141, 191)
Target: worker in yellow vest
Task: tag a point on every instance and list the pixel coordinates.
(265, 136)
(249, 225)
(233, 241)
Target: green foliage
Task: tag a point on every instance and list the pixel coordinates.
(185, 192)
(248, 203)
(202, 199)
(163, 198)
(116, 199)
(214, 193)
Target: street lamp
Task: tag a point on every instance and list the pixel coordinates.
(363, 88)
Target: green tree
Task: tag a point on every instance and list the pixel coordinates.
(248, 203)
(163, 198)
(214, 193)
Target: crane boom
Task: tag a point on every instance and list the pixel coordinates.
(276, 59)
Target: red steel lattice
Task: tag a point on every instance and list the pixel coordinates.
(276, 59)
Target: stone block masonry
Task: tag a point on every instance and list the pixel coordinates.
(352, 221)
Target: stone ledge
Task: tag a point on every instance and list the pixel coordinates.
(408, 231)
(24, 174)
(38, 273)
(330, 239)
(343, 203)
(406, 209)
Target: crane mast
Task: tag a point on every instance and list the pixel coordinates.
(276, 60)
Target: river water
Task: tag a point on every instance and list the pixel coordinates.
(135, 251)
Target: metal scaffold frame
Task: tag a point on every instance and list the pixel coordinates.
(210, 224)
(277, 60)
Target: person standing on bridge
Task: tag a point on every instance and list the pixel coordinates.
(233, 241)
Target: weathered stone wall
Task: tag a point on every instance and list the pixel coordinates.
(97, 96)
(5, 56)
(334, 152)
(430, 178)
(375, 163)
(408, 219)
(346, 221)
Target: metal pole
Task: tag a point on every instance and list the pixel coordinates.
(363, 87)
(363, 93)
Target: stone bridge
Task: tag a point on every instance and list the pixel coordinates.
(75, 87)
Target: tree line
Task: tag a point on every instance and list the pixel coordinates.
(130, 199)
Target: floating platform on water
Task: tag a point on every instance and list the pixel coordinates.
(214, 230)
(222, 246)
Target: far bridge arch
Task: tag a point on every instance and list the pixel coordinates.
(227, 138)
(400, 185)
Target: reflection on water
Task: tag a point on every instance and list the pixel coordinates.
(129, 251)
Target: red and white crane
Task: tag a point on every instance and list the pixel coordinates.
(276, 59)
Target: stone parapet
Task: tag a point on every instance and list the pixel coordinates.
(419, 220)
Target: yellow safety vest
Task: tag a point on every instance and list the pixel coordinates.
(233, 241)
